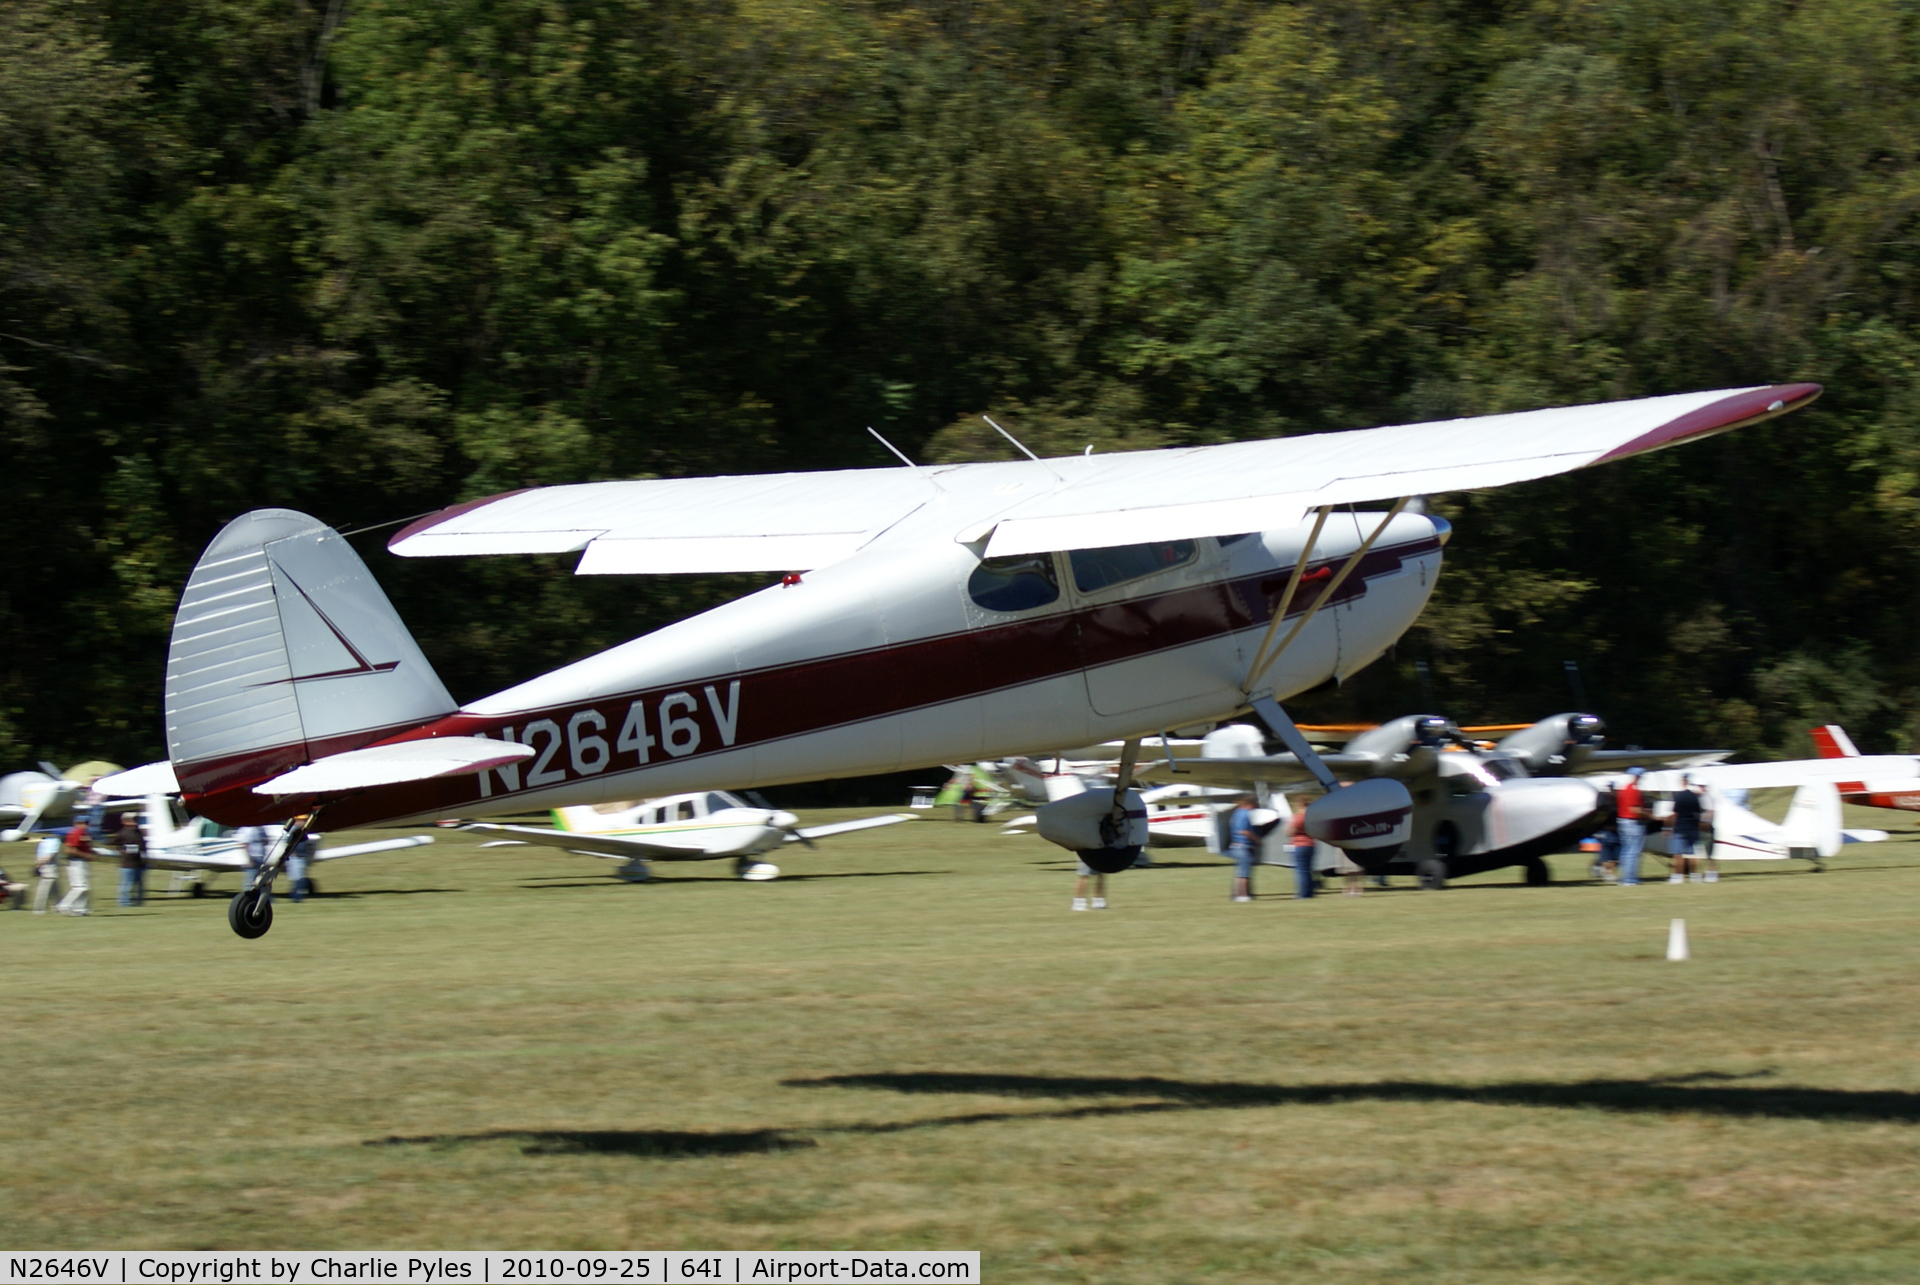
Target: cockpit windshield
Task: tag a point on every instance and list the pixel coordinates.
(1502, 769)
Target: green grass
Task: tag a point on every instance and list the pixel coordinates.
(912, 1043)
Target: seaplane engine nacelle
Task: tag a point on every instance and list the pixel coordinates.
(1373, 817)
(1555, 746)
(1107, 838)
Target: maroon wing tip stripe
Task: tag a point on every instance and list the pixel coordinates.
(449, 513)
(1736, 411)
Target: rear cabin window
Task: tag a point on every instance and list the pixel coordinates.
(1019, 583)
(1095, 569)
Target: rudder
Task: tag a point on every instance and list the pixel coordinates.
(286, 649)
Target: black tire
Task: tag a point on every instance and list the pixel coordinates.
(197, 890)
(1538, 876)
(1110, 861)
(250, 914)
(1432, 872)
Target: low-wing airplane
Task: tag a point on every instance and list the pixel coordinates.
(709, 825)
(926, 615)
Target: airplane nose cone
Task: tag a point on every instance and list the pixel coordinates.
(785, 820)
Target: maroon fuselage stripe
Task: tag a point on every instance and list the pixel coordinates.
(781, 701)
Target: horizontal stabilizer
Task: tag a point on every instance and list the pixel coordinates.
(848, 827)
(139, 782)
(396, 764)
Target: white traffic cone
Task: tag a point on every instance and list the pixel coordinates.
(1677, 941)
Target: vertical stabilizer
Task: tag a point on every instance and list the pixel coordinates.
(1813, 820)
(1832, 742)
(285, 649)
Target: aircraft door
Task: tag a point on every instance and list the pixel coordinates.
(1155, 625)
(1021, 662)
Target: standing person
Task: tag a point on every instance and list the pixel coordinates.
(79, 851)
(1689, 812)
(46, 864)
(255, 837)
(1303, 854)
(297, 864)
(133, 860)
(1606, 863)
(1243, 841)
(1099, 888)
(1630, 813)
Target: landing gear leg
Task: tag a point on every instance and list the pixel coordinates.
(250, 913)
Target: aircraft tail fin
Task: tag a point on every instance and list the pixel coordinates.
(1832, 742)
(1812, 825)
(286, 650)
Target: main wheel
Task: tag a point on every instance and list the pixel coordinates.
(1538, 876)
(1432, 872)
(250, 914)
(1110, 861)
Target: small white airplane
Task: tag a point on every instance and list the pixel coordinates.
(195, 849)
(925, 615)
(1832, 742)
(44, 801)
(1810, 832)
(709, 825)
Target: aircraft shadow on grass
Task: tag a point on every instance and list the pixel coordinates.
(655, 1144)
(1705, 1092)
(667, 881)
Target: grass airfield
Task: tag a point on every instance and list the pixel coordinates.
(910, 1042)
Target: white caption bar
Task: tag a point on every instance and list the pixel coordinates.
(545, 1267)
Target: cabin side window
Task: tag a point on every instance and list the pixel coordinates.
(684, 810)
(1018, 583)
(1095, 569)
(719, 803)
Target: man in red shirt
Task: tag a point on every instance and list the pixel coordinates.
(1630, 811)
(79, 851)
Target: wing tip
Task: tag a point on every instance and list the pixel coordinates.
(1736, 410)
(434, 519)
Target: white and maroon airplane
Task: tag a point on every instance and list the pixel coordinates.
(928, 615)
(1832, 742)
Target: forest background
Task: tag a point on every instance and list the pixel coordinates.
(368, 258)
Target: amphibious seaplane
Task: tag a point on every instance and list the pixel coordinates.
(926, 615)
(708, 825)
(1474, 809)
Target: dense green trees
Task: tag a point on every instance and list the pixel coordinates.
(365, 257)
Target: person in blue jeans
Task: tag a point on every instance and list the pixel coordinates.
(1303, 855)
(1630, 810)
(1242, 842)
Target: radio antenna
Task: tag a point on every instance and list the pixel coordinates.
(1023, 448)
(902, 457)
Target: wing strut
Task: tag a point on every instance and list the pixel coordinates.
(1264, 661)
(1278, 721)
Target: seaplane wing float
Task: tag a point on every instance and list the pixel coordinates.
(925, 615)
(707, 825)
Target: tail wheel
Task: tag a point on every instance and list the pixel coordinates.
(250, 913)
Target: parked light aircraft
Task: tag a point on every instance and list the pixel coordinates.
(1474, 810)
(927, 615)
(1810, 832)
(708, 825)
(42, 802)
(1832, 742)
(196, 849)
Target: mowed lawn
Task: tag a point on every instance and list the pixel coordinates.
(910, 1042)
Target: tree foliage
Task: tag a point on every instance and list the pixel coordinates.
(365, 258)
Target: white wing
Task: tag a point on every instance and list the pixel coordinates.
(797, 521)
(603, 845)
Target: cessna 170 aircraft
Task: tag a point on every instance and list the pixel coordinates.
(927, 615)
(707, 825)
